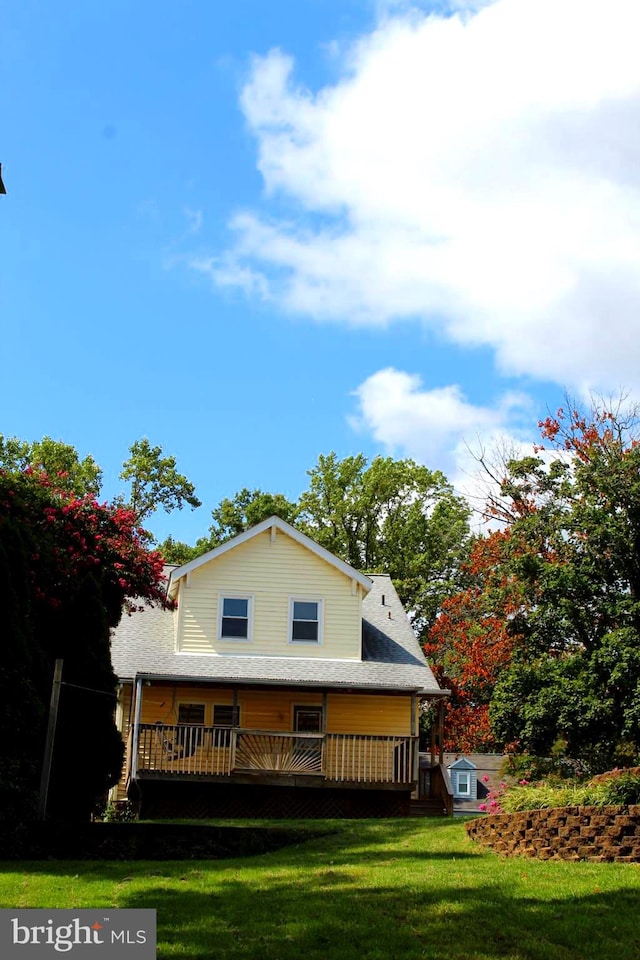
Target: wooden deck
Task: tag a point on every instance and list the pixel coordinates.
(198, 752)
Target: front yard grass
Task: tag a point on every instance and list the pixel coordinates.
(369, 890)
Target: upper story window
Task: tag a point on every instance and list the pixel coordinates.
(235, 616)
(305, 621)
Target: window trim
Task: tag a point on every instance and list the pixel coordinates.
(466, 774)
(235, 595)
(186, 740)
(191, 703)
(320, 621)
(300, 707)
(235, 715)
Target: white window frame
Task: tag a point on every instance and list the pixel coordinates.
(320, 621)
(232, 595)
(466, 780)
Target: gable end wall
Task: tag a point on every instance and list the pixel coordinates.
(271, 571)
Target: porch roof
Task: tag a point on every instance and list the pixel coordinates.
(143, 645)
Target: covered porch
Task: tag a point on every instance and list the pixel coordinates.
(324, 749)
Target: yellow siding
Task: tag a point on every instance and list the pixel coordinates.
(160, 703)
(368, 714)
(267, 710)
(273, 709)
(126, 697)
(271, 571)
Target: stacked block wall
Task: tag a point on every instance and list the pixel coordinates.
(599, 834)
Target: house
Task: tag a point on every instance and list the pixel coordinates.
(463, 774)
(473, 777)
(284, 683)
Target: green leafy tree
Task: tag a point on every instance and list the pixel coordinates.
(232, 516)
(245, 510)
(177, 552)
(391, 516)
(57, 459)
(153, 478)
(574, 679)
(155, 481)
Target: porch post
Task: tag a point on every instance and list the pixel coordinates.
(136, 729)
(323, 745)
(415, 743)
(432, 735)
(233, 746)
(441, 731)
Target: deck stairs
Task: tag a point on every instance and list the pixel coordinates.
(427, 808)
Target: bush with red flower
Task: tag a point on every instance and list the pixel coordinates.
(70, 567)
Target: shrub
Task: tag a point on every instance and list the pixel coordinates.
(556, 768)
(619, 788)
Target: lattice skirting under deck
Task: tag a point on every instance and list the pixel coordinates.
(161, 800)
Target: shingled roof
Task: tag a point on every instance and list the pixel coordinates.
(143, 646)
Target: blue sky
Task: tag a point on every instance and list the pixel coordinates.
(255, 233)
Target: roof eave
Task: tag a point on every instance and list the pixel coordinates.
(259, 681)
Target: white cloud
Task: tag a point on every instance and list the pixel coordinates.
(441, 428)
(479, 171)
(427, 424)
(228, 272)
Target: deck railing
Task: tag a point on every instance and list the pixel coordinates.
(223, 751)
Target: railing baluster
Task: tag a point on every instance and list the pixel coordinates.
(192, 749)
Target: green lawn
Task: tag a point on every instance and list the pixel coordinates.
(372, 890)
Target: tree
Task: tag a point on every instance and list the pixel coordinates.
(231, 517)
(59, 460)
(574, 681)
(245, 510)
(153, 478)
(470, 643)
(71, 566)
(155, 481)
(392, 516)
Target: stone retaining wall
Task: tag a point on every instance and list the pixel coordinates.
(599, 834)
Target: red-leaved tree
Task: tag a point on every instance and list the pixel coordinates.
(471, 643)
